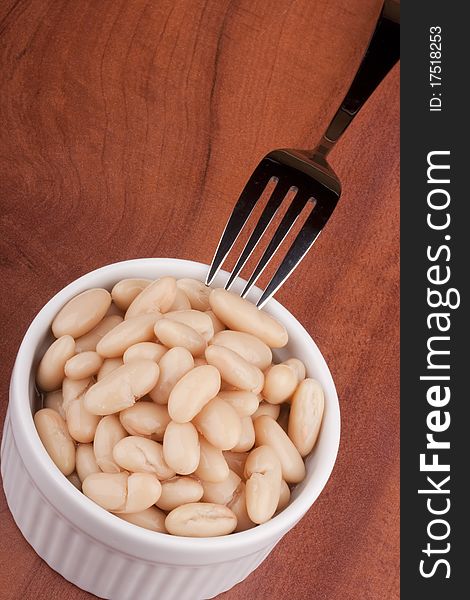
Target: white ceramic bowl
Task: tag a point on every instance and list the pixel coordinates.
(103, 554)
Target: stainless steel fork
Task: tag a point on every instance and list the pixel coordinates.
(306, 173)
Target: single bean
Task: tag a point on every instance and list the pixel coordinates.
(268, 432)
(126, 290)
(236, 461)
(155, 298)
(238, 506)
(151, 518)
(196, 291)
(181, 449)
(234, 369)
(108, 490)
(199, 321)
(192, 392)
(73, 389)
(284, 497)
(81, 313)
(89, 341)
(50, 373)
(140, 455)
(85, 461)
(178, 491)
(297, 366)
(55, 401)
(264, 408)
(181, 301)
(173, 365)
(216, 322)
(280, 382)
(144, 350)
(242, 315)
(109, 365)
(245, 403)
(122, 387)
(212, 465)
(108, 433)
(145, 418)
(221, 492)
(200, 519)
(126, 334)
(121, 492)
(263, 483)
(80, 422)
(83, 365)
(219, 424)
(174, 334)
(247, 436)
(251, 348)
(56, 439)
(306, 415)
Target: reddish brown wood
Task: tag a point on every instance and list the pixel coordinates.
(128, 129)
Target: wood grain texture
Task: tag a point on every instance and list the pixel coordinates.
(128, 130)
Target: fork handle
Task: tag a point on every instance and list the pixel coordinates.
(382, 53)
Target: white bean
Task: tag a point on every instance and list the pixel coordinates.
(306, 415)
(234, 369)
(199, 321)
(145, 418)
(280, 382)
(122, 387)
(201, 519)
(83, 365)
(126, 290)
(109, 365)
(81, 313)
(251, 348)
(192, 392)
(212, 464)
(221, 492)
(241, 315)
(270, 433)
(196, 291)
(108, 433)
(126, 334)
(219, 424)
(51, 373)
(151, 518)
(56, 439)
(155, 298)
(263, 484)
(144, 350)
(85, 461)
(178, 491)
(140, 455)
(181, 447)
(174, 334)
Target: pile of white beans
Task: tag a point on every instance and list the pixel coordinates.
(163, 405)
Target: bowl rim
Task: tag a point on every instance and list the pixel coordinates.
(99, 523)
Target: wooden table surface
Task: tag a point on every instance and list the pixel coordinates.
(128, 128)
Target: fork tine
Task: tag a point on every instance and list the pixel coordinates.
(287, 222)
(265, 219)
(305, 239)
(240, 214)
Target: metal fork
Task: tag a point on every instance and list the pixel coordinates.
(306, 173)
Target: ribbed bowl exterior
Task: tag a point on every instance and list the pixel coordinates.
(93, 566)
(103, 554)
